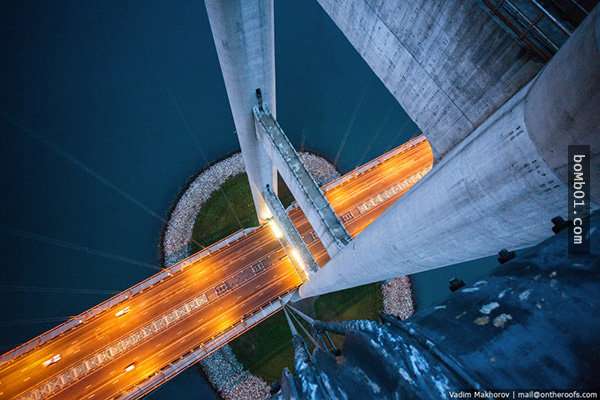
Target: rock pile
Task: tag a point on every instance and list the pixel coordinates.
(397, 297)
(181, 222)
(231, 379)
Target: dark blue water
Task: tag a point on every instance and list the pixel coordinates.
(107, 108)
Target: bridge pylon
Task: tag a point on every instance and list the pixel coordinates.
(243, 32)
(501, 187)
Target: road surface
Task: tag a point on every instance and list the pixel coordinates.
(108, 355)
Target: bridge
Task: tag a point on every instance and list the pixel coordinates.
(497, 126)
(128, 345)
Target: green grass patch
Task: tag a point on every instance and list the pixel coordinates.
(228, 210)
(363, 302)
(225, 212)
(267, 349)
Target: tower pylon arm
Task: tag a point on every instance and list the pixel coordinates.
(307, 193)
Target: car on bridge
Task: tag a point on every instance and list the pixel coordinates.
(52, 360)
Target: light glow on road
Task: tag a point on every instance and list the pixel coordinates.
(122, 312)
(275, 229)
(172, 316)
(298, 258)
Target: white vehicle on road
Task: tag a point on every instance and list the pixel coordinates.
(54, 359)
(122, 312)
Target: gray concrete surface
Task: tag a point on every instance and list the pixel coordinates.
(492, 191)
(305, 190)
(243, 32)
(554, 121)
(449, 65)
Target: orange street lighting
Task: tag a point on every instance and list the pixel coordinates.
(276, 229)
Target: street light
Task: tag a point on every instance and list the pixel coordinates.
(276, 229)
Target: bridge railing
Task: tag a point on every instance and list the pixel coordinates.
(119, 298)
(373, 163)
(205, 349)
(168, 271)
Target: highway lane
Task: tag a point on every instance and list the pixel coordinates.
(379, 179)
(346, 197)
(215, 310)
(356, 191)
(78, 343)
(153, 354)
(204, 274)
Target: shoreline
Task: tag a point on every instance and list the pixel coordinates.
(177, 199)
(222, 367)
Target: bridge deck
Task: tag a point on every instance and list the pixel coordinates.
(193, 307)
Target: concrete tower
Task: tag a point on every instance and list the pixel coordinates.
(243, 32)
(448, 63)
(498, 188)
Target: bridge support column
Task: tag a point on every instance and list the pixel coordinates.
(448, 63)
(500, 188)
(243, 32)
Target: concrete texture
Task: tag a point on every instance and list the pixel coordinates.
(554, 122)
(493, 191)
(307, 193)
(243, 32)
(449, 65)
(293, 239)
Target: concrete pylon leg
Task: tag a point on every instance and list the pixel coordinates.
(573, 117)
(448, 63)
(243, 31)
(499, 188)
